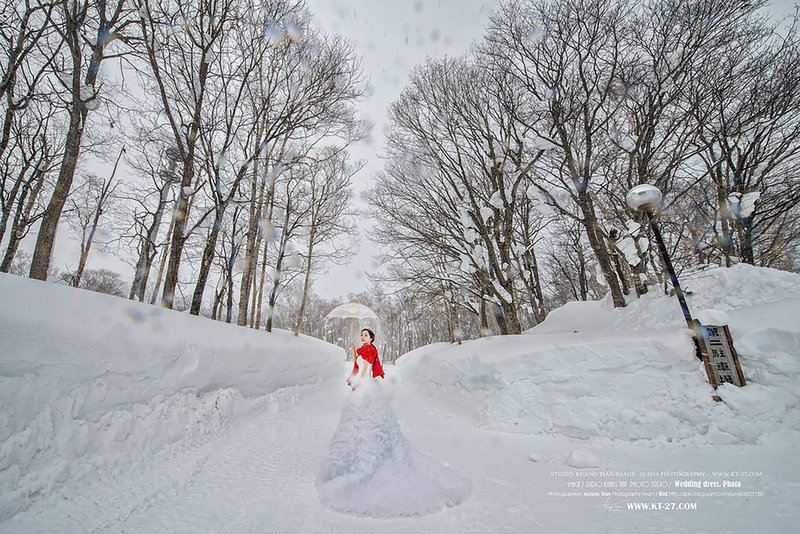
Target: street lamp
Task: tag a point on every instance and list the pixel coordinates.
(647, 198)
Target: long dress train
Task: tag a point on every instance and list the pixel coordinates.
(372, 470)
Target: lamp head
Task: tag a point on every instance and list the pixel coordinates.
(644, 197)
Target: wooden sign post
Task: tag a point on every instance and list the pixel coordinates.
(719, 356)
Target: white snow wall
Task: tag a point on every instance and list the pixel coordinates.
(88, 381)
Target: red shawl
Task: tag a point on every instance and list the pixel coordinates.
(370, 355)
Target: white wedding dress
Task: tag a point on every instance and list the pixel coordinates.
(372, 470)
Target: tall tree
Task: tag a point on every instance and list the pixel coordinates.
(745, 104)
(160, 172)
(459, 168)
(567, 55)
(328, 198)
(87, 28)
(87, 212)
(181, 43)
(31, 157)
(308, 96)
(29, 50)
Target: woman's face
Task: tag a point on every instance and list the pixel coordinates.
(365, 337)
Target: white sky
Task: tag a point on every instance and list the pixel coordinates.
(391, 37)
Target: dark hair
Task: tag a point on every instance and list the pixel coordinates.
(370, 332)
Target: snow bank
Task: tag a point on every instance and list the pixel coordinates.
(630, 374)
(718, 289)
(90, 382)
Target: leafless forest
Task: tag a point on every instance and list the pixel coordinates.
(209, 143)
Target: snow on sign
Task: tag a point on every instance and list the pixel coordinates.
(720, 358)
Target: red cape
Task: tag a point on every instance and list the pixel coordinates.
(370, 355)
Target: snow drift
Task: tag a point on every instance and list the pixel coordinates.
(91, 381)
(590, 370)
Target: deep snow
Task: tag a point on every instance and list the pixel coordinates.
(121, 417)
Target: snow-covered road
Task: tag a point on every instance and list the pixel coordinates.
(258, 477)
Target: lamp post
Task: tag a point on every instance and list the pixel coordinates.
(647, 198)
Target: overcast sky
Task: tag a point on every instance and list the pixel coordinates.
(391, 37)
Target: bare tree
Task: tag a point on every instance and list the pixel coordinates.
(294, 210)
(86, 213)
(147, 218)
(570, 265)
(86, 28)
(28, 145)
(181, 42)
(231, 248)
(25, 58)
(567, 55)
(30, 159)
(651, 137)
(457, 181)
(312, 95)
(328, 199)
(746, 109)
(241, 123)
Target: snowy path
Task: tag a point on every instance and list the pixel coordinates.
(258, 477)
(258, 474)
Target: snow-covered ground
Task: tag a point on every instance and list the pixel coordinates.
(121, 417)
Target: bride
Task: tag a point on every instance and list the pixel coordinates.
(371, 469)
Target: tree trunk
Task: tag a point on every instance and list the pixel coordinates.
(621, 275)
(8, 119)
(13, 245)
(21, 221)
(217, 308)
(42, 254)
(11, 251)
(179, 229)
(276, 280)
(484, 317)
(205, 264)
(12, 196)
(306, 282)
(85, 248)
(257, 207)
(507, 319)
(262, 279)
(535, 285)
(451, 327)
(229, 303)
(637, 273)
(148, 253)
(597, 243)
(255, 296)
(583, 282)
(726, 240)
(251, 252)
(745, 231)
(163, 264)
